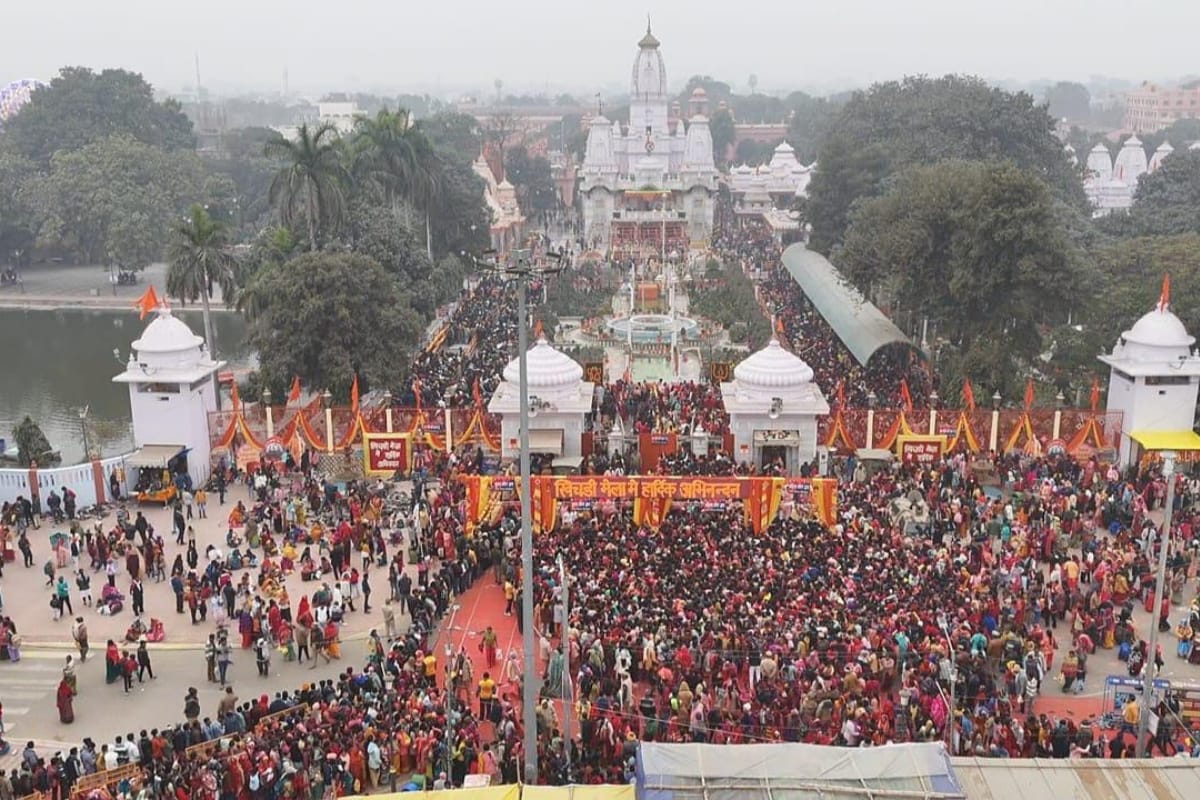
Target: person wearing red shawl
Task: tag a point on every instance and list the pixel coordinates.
(304, 613)
(112, 662)
(66, 713)
(274, 619)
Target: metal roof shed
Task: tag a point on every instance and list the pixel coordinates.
(857, 322)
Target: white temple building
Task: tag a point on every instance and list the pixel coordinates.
(1154, 378)
(649, 189)
(773, 405)
(769, 190)
(559, 400)
(508, 223)
(1110, 184)
(171, 393)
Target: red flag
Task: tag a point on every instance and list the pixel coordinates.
(1164, 297)
(294, 392)
(354, 393)
(968, 395)
(477, 391)
(148, 302)
(1028, 393)
(905, 395)
(1095, 395)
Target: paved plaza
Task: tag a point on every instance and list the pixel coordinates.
(103, 711)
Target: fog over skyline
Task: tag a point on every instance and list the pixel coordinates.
(531, 45)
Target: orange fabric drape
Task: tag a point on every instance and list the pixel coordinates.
(543, 504)
(1024, 426)
(651, 511)
(899, 426)
(838, 432)
(963, 433)
(824, 500)
(762, 505)
(1090, 433)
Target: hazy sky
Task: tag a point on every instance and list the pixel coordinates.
(394, 45)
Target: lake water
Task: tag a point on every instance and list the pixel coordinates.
(52, 363)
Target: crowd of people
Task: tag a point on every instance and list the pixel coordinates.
(850, 635)
(947, 598)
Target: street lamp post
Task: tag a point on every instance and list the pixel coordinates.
(521, 268)
(953, 682)
(1160, 591)
(87, 450)
(568, 691)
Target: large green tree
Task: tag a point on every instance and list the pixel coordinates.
(328, 316)
(199, 259)
(982, 248)
(81, 107)
(532, 178)
(113, 200)
(723, 133)
(310, 182)
(19, 220)
(1069, 100)
(920, 121)
(1167, 200)
(454, 135)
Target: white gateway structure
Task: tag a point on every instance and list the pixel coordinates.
(648, 189)
(171, 393)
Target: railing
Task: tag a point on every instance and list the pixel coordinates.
(79, 478)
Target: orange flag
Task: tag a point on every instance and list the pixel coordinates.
(354, 393)
(779, 327)
(1028, 393)
(905, 395)
(294, 392)
(1095, 395)
(478, 392)
(233, 395)
(1164, 297)
(537, 330)
(148, 302)
(841, 394)
(416, 387)
(968, 395)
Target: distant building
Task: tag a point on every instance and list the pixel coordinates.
(1110, 185)
(1150, 107)
(501, 199)
(768, 191)
(341, 115)
(648, 190)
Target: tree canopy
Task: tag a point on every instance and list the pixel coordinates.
(81, 107)
(1069, 100)
(531, 177)
(982, 248)
(112, 201)
(328, 316)
(920, 121)
(1167, 201)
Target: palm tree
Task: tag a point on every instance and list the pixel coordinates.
(392, 153)
(311, 179)
(199, 258)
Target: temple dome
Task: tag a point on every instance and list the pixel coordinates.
(167, 334)
(1159, 329)
(547, 368)
(773, 367)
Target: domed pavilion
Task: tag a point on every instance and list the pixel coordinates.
(1153, 380)
(171, 393)
(773, 405)
(559, 402)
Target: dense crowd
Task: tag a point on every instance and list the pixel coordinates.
(850, 635)
(752, 246)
